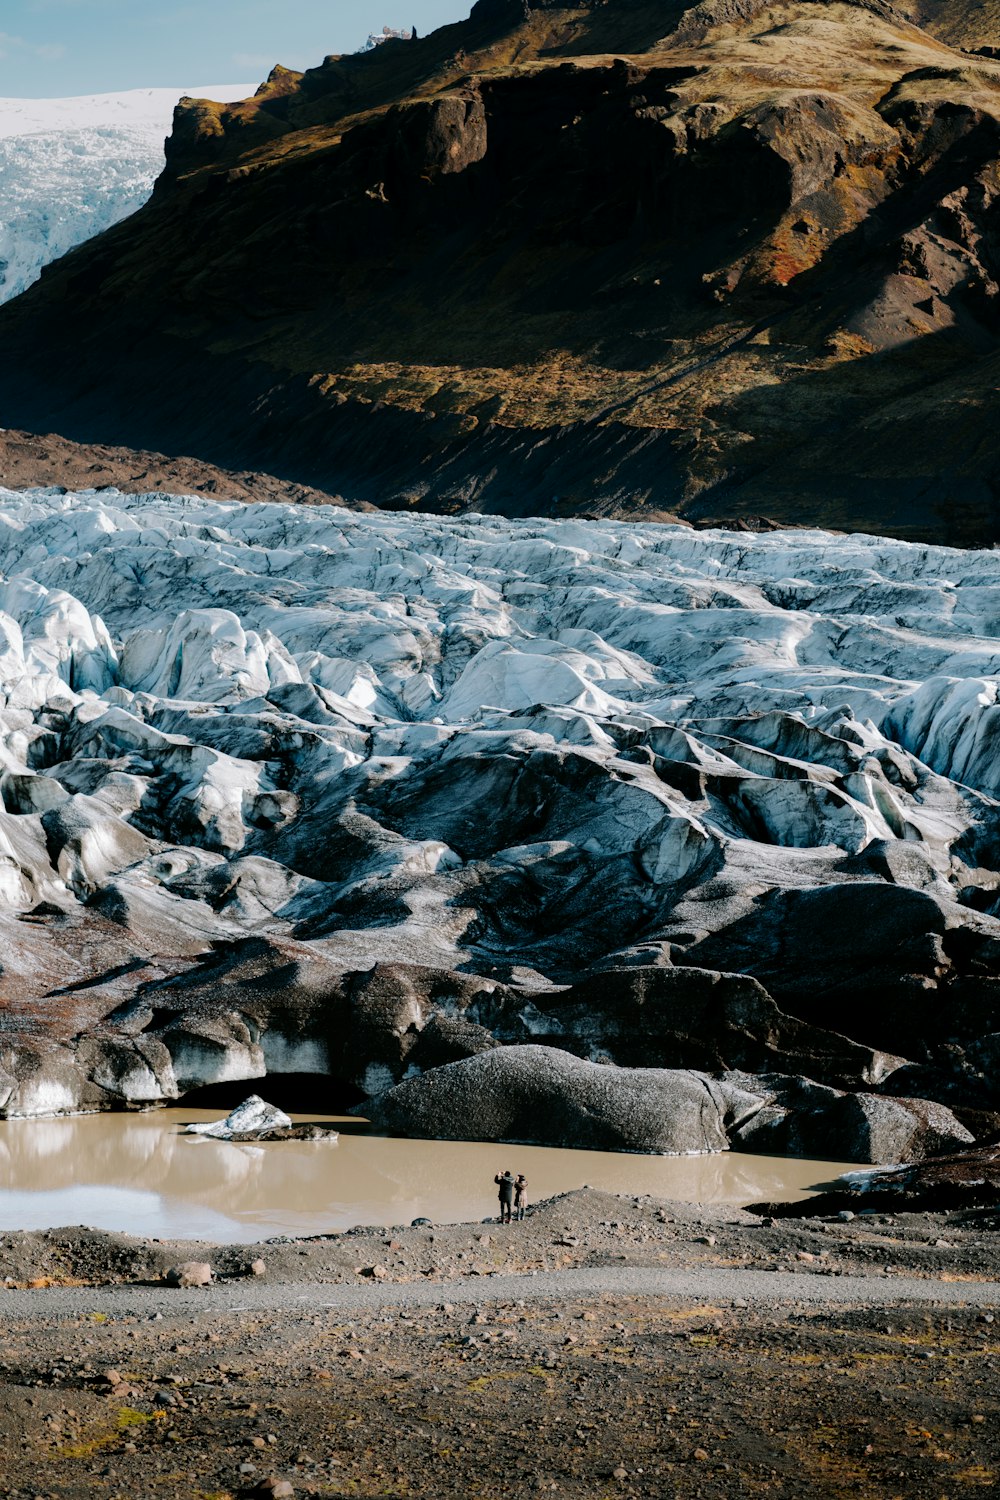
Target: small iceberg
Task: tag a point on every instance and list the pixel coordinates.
(254, 1117)
(256, 1120)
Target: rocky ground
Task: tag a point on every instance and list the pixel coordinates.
(463, 1381)
(30, 460)
(585, 1229)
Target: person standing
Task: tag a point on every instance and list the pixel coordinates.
(505, 1182)
(520, 1195)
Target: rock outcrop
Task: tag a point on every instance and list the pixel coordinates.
(607, 256)
(953, 1181)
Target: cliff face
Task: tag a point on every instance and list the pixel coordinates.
(611, 257)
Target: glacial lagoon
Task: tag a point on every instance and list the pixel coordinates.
(140, 1174)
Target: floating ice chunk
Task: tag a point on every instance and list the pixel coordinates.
(253, 1117)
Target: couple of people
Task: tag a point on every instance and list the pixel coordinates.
(513, 1195)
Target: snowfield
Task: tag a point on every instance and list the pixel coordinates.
(248, 752)
(70, 168)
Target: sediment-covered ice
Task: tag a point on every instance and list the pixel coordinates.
(250, 752)
(70, 168)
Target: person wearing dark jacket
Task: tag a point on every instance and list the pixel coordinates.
(505, 1182)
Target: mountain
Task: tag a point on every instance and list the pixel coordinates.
(70, 168)
(615, 257)
(289, 789)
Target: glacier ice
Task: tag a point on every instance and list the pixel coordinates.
(255, 759)
(387, 34)
(71, 168)
(253, 1117)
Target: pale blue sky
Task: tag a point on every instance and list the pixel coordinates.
(50, 48)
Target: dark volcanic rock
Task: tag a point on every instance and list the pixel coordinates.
(962, 1179)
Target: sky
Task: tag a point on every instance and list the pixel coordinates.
(53, 48)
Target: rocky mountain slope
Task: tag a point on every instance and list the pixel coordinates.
(39, 461)
(290, 790)
(616, 257)
(70, 168)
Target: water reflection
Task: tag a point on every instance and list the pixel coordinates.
(140, 1174)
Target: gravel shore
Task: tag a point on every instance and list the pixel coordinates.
(604, 1346)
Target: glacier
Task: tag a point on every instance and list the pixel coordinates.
(306, 790)
(387, 34)
(71, 168)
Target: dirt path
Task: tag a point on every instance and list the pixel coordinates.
(712, 1285)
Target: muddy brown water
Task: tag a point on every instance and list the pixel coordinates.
(140, 1174)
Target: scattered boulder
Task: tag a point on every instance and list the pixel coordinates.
(274, 1488)
(189, 1273)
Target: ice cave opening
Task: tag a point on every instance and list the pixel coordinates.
(295, 1093)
